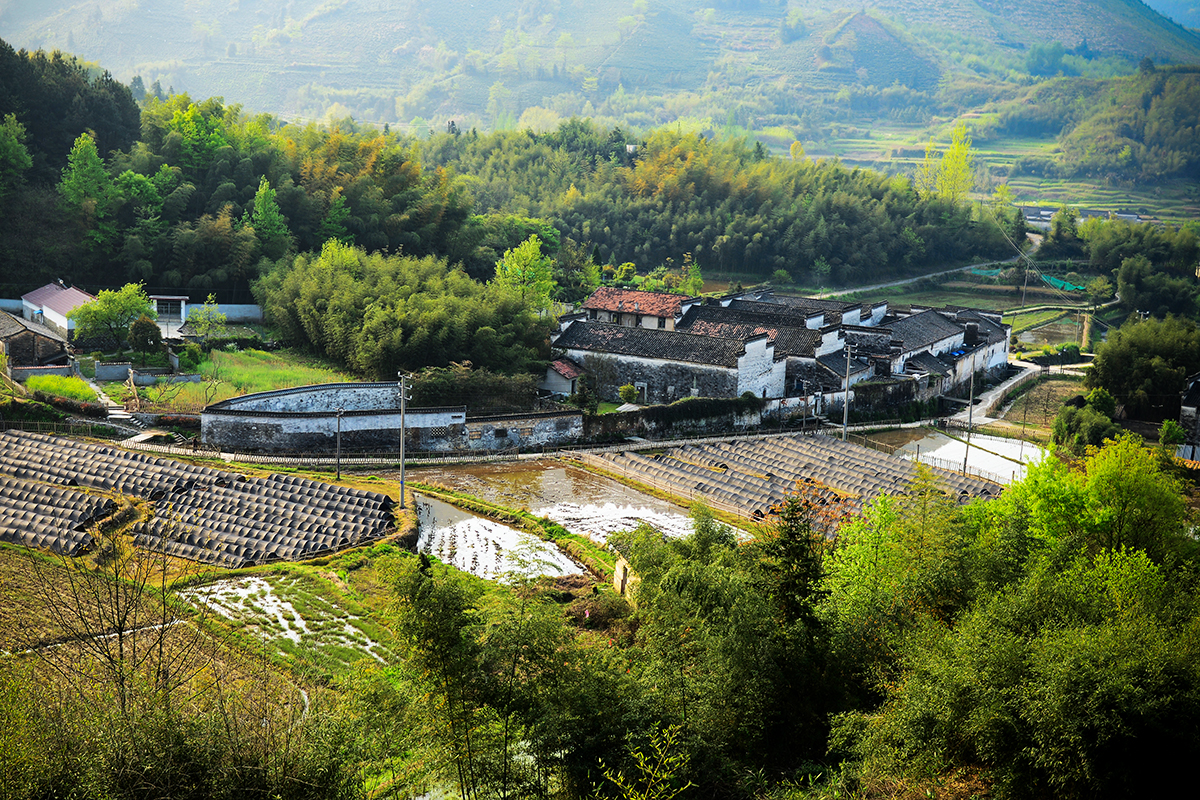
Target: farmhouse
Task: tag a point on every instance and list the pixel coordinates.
(775, 346)
(636, 309)
(29, 344)
(667, 365)
(50, 305)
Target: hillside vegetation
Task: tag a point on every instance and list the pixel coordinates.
(402, 61)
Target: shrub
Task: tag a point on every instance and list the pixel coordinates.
(61, 386)
(191, 357)
(73, 406)
(628, 393)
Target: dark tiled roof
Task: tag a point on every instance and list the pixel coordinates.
(927, 362)
(922, 330)
(787, 314)
(816, 303)
(732, 323)
(11, 324)
(567, 368)
(836, 363)
(654, 304)
(598, 337)
(817, 376)
(58, 298)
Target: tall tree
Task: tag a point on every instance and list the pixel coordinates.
(528, 273)
(87, 191)
(111, 313)
(956, 174)
(269, 223)
(14, 157)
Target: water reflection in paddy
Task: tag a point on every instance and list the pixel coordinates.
(484, 547)
(578, 500)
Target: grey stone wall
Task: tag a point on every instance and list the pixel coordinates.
(317, 431)
(666, 381)
(28, 349)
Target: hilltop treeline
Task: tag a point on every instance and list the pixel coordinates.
(204, 196)
(1042, 644)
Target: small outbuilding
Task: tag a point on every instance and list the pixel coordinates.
(30, 344)
(50, 305)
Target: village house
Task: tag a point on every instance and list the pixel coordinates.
(666, 365)
(50, 305)
(636, 309)
(775, 346)
(30, 344)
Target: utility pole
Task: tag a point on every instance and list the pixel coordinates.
(340, 411)
(807, 400)
(403, 402)
(846, 401)
(970, 419)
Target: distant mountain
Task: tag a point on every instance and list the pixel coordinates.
(487, 62)
(1185, 12)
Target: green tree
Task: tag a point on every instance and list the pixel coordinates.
(1144, 363)
(956, 172)
(14, 157)
(528, 273)
(145, 336)
(87, 191)
(628, 393)
(270, 226)
(109, 316)
(207, 320)
(925, 180)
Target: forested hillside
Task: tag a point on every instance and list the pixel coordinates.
(207, 197)
(753, 63)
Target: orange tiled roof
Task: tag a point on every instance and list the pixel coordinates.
(654, 304)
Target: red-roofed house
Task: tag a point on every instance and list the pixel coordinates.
(50, 304)
(562, 376)
(636, 309)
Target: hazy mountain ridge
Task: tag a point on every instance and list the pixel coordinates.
(401, 60)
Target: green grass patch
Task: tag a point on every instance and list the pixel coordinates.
(61, 386)
(252, 371)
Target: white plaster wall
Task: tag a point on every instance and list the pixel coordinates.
(327, 424)
(556, 383)
(325, 397)
(758, 370)
(831, 342)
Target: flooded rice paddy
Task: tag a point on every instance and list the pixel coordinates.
(583, 503)
(485, 547)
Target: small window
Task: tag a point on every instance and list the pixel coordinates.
(592, 314)
(526, 432)
(641, 393)
(637, 321)
(662, 322)
(500, 433)
(473, 435)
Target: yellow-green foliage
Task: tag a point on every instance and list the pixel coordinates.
(61, 386)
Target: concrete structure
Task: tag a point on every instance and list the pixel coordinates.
(30, 344)
(306, 419)
(50, 305)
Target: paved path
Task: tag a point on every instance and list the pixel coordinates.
(915, 278)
